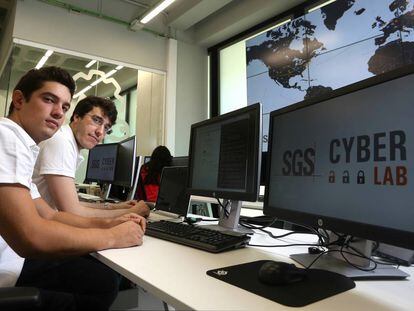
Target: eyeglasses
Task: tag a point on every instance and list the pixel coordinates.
(99, 121)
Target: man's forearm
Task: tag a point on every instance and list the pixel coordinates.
(81, 221)
(99, 210)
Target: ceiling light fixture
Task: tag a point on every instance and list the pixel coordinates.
(93, 61)
(320, 5)
(157, 10)
(43, 60)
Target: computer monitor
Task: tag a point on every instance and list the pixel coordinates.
(224, 160)
(124, 174)
(102, 161)
(263, 170)
(344, 163)
(179, 161)
(173, 196)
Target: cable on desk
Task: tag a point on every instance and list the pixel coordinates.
(343, 242)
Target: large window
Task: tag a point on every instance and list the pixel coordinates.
(139, 95)
(331, 47)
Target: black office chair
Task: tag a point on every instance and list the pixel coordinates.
(19, 298)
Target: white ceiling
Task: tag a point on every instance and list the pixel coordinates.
(203, 22)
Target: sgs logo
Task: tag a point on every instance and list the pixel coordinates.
(299, 162)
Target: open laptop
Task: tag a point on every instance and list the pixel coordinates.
(172, 201)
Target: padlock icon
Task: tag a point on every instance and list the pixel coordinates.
(361, 177)
(345, 177)
(331, 177)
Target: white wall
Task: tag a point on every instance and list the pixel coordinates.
(191, 97)
(45, 24)
(42, 23)
(150, 112)
(5, 51)
(7, 40)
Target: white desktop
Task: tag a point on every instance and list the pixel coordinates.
(177, 275)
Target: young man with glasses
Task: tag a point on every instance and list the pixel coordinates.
(40, 246)
(60, 156)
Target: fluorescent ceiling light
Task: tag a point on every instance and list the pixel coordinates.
(320, 5)
(43, 60)
(119, 67)
(158, 9)
(90, 63)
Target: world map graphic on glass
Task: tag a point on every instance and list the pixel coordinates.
(340, 44)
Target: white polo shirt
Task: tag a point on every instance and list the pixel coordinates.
(18, 153)
(58, 155)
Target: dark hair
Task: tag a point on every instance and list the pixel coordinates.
(160, 157)
(35, 78)
(89, 102)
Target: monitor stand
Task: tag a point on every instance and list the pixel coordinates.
(231, 222)
(334, 262)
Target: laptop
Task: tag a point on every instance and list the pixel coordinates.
(173, 200)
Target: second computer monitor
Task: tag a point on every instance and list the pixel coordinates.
(179, 161)
(224, 158)
(102, 161)
(124, 174)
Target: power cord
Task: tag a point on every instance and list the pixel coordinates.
(226, 212)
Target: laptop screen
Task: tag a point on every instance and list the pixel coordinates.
(172, 195)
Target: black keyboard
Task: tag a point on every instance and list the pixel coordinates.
(195, 236)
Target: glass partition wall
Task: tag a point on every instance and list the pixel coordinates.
(139, 95)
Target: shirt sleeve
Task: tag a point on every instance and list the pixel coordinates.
(16, 161)
(57, 157)
(34, 193)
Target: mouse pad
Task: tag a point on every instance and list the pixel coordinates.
(317, 285)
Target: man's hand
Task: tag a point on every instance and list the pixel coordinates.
(124, 205)
(139, 220)
(134, 206)
(139, 208)
(127, 234)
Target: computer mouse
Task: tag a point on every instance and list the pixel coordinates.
(280, 273)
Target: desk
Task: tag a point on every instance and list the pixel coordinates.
(177, 275)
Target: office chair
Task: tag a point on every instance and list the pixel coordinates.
(19, 298)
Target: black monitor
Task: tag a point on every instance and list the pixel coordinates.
(102, 161)
(179, 161)
(124, 175)
(263, 169)
(344, 163)
(172, 195)
(224, 159)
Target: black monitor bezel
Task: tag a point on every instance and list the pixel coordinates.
(182, 161)
(231, 195)
(118, 164)
(176, 211)
(361, 230)
(89, 159)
